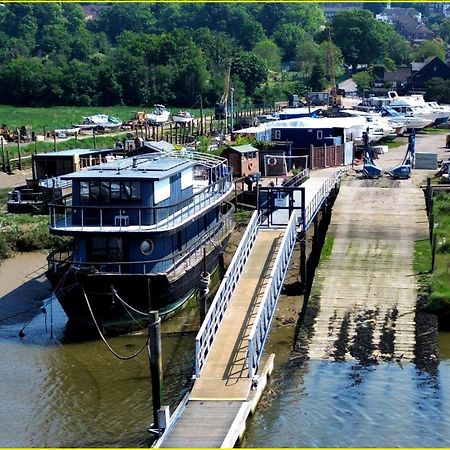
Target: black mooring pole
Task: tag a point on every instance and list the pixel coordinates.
(156, 371)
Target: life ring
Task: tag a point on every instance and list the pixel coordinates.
(250, 165)
(272, 161)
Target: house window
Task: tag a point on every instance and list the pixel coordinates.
(277, 134)
(319, 134)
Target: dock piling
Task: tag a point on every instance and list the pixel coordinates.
(155, 359)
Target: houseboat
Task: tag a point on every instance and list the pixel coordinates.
(144, 229)
(46, 185)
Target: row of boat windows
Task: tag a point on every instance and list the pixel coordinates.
(110, 191)
(277, 134)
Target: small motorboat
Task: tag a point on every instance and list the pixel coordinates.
(183, 117)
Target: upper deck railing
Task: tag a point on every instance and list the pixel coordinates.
(173, 265)
(67, 217)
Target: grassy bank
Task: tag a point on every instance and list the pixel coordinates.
(439, 299)
(66, 116)
(23, 232)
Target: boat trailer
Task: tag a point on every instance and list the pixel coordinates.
(403, 170)
(370, 169)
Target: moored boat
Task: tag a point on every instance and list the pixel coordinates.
(46, 183)
(144, 229)
(182, 117)
(100, 122)
(159, 116)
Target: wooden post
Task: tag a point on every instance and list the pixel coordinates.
(93, 137)
(155, 360)
(8, 162)
(431, 221)
(203, 289)
(201, 116)
(54, 142)
(433, 251)
(2, 142)
(316, 230)
(303, 275)
(76, 137)
(428, 195)
(35, 147)
(18, 153)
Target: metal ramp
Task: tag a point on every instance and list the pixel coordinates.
(230, 372)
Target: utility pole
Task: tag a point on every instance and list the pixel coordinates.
(201, 116)
(232, 109)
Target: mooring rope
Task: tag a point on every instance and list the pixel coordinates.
(123, 358)
(127, 305)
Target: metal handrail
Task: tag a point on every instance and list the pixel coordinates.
(317, 201)
(160, 217)
(177, 259)
(216, 312)
(260, 329)
(261, 326)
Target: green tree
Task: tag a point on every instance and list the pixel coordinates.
(318, 81)
(443, 29)
(361, 38)
(120, 17)
(251, 70)
(438, 90)
(429, 49)
(270, 52)
(399, 49)
(363, 80)
(308, 16)
(288, 36)
(334, 60)
(307, 56)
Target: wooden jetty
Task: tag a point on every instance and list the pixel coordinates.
(230, 371)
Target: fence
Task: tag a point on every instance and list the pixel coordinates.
(216, 312)
(330, 156)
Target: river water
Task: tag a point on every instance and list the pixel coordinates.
(61, 393)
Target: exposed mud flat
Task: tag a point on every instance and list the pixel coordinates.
(23, 287)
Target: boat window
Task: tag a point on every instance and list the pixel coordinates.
(162, 190)
(187, 178)
(319, 134)
(277, 134)
(105, 249)
(104, 191)
(84, 191)
(110, 191)
(135, 190)
(146, 247)
(115, 190)
(94, 191)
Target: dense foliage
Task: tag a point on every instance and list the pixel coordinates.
(173, 53)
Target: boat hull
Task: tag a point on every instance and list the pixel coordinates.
(107, 293)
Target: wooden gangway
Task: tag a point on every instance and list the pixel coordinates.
(230, 371)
